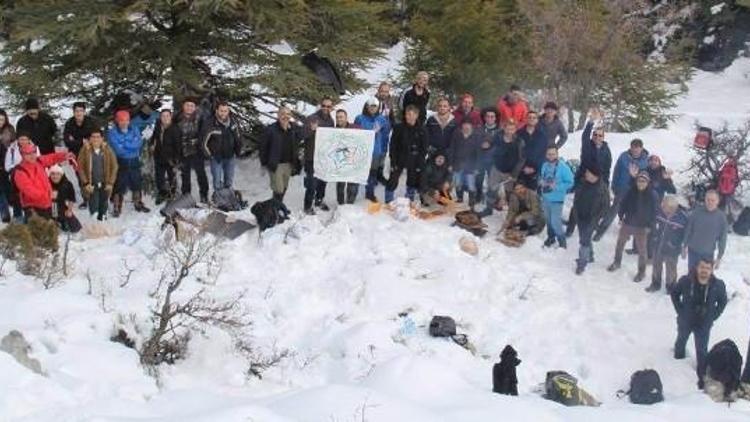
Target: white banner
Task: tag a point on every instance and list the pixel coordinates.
(343, 155)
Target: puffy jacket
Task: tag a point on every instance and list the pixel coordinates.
(464, 152)
(280, 146)
(380, 125)
(638, 208)
(696, 309)
(85, 162)
(126, 145)
(43, 130)
(535, 147)
(439, 137)
(559, 177)
(621, 178)
(166, 144)
(554, 130)
(221, 141)
(591, 201)
(189, 133)
(519, 112)
(474, 116)
(408, 146)
(508, 156)
(13, 156)
(410, 97)
(73, 135)
(593, 156)
(32, 182)
(669, 234)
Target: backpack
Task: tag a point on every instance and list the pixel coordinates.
(269, 213)
(646, 387)
(724, 364)
(703, 139)
(442, 326)
(742, 225)
(729, 177)
(563, 388)
(228, 200)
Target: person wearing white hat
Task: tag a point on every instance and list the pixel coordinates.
(371, 119)
(63, 200)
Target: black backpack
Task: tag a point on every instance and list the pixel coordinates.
(742, 225)
(725, 365)
(269, 213)
(646, 387)
(442, 326)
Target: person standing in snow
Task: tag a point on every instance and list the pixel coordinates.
(484, 165)
(464, 154)
(76, 132)
(146, 115)
(32, 182)
(507, 161)
(386, 106)
(346, 193)
(13, 158)
(706, 231)
(221, 143)
(667, 241)
(97, 171)
(590, 203)
(556, 181)
(40, 126)
(189, 123)
(638, 214)
(699, 299)
(553, 127)
(279, 152)
(628, 166)
(661, 177)
(535, 147)
(512, 106)
(126, 142)
(165, 150)
(419, 96)
(7, 136)
(440, 128)
(315, 189)
(466, 111)
(370, 119)
(408, 151)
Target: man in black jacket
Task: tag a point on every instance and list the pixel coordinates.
(436, 182)
(279, 152)
(40, 125)
(590, 203)
(699, 299)
(419, 96)
(315, 189)
(346, 193)
(222, 142)
(76, 132)
(638, 215)
(408, 149)
(507, 161)
(165, 149)
(188, 122)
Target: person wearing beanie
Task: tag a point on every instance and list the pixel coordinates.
(590, 202)
(553, 127)
(63, 200)
(31, 180)
(638, 215)
(126, 142)
(40, 126)
(371, 119)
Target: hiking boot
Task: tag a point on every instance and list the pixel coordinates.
(310, 211)
(701, 384)
(117, 209)
(613, 267)
(597, 236)
(322, 205)
(371, 197)
(562, 242)
(655, 286)
(138, 203)
(639, 277)
(580, 267)
(549, 242)
(631, 251)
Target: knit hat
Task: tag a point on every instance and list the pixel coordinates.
(644, 175)
(31, 104)
(372, 101)
(56, 169)
(122, 116)
(28, 149)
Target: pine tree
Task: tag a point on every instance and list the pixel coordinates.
(230, 49)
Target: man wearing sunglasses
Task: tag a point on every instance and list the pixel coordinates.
(40, 125)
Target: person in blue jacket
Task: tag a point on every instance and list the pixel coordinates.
(126, 142)
(535, 147)
(628, 166)
(556, 180)
(371, 119)
(146, 116)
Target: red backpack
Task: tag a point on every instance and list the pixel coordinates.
(703, 138)
(729, 177)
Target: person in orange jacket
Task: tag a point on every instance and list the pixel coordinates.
(30, 177)
(513, 106)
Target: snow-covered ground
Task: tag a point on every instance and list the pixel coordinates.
(331, 293)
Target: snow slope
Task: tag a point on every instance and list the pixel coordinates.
(331, 292)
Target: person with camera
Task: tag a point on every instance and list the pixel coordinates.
(556, 181)
(699, 299)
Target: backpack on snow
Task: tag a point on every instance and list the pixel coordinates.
(228, 200)
(442, 326)
(269, 213)
(724, 365)
(561, 387)
(703, 139)
(645, 387)
(742, 225)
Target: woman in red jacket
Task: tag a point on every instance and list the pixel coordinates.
(30, 177)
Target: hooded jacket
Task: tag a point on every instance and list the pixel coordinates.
(519, 112)
(553, 130)
(439, 138)
(561, 178)
(408, 147)
(381, 126)
(34, 187)
(126, 145)
(621, 178)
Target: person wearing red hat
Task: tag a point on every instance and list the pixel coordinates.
(126, 142)
(30, 177)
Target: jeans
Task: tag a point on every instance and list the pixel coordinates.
(197, 164)
(315, 189)
(585, 251)
(222, 173)
(611, 213)
(553, 215)
(346, 193)
(465, 180)
(701, 334)
(166, 180)
(694, 257)
(662, 261)
(640, 235)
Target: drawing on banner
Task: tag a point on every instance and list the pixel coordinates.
(343, 155)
